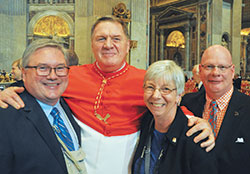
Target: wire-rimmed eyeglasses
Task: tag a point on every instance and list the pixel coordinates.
(45, 70)
(149, 89)
(222, 68)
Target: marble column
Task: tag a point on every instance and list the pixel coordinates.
(187, 48)
(157, 38)
(152, 57)
(236, 38)
(216, 21)
(162, 44)
(243, 55)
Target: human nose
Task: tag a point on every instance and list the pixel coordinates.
(52, 74)
(108, 43)
(156, 93)
(216, 70)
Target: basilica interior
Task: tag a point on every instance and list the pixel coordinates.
(178, 30)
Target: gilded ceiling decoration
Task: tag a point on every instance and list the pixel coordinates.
(52, 26)
(176, 39)
(245, 31)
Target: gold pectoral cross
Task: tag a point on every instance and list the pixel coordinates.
(102, 119)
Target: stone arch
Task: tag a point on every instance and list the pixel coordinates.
(175, 39)
(64, 19)
(175, 46)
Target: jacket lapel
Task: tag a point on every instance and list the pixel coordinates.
(231, 121)
(35, 114)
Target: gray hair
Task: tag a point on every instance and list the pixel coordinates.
(168, 71)
(42, 43)
(111, 19)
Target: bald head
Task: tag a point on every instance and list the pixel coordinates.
(218, 52)
(216, 71)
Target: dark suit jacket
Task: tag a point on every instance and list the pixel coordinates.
(182, 156)
(233, 140)
(28, 144)
(18, 83)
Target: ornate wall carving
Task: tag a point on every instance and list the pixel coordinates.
(51, 26)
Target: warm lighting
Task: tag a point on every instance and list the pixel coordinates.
(51, 26)
(176, 39)
(245, 31)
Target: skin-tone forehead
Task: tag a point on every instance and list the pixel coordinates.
(216, 51)
(103, 22)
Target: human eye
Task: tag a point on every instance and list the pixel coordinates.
(101, 38)
(149, 87)
(60, 68)
(222, 68)
(209, 67)
(116, 38)
(43, 68)
(165, 90)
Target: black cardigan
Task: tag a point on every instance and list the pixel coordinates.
(182, 156)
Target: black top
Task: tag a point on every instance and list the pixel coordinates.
(182, 155)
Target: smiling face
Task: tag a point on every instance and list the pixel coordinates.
(47, 89)
(215, 81)
(16, 72)
(109, 45)
(161, 105)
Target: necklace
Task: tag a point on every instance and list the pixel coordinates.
(100, 92)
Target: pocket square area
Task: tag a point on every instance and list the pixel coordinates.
(239, 140)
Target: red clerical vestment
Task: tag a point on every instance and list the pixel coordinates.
(110, 103)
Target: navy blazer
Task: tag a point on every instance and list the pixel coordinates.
(182, 155)
(28, 144)
(232, 145)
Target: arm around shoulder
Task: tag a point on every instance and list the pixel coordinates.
(10, 96)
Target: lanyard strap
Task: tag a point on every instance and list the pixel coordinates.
(147, 155)
(67, 152)
(148, 151)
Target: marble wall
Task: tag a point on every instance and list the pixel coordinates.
(13, 29)
(88, 11)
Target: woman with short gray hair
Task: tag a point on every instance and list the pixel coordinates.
(163, 147)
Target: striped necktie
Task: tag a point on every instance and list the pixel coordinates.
(212, 116)
(61, 130)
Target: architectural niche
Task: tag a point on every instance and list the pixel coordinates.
(48, 21)
(169, 20)
(51, 26)
(176, 39)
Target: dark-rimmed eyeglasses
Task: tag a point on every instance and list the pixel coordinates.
(222, 68)
(45, 70)
(149, 89)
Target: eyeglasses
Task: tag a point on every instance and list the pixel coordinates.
(149, 89)
(45, 70)
(222, 68)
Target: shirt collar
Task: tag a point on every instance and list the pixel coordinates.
(47, 108)
(223, 101)
(123, 65)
